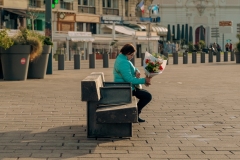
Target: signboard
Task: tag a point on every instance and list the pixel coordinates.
(225, 23)
(79, 34)
(111, 19)
(215, 32)
(226, 29)
(238, 28)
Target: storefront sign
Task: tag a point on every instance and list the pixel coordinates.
(111, 19)
(225, 23)
(79, 34)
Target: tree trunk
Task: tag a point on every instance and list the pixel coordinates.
(32, 20)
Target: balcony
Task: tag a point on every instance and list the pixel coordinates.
(84, 9)
(109, 11)
(66, 5)
(35, 3)
(1, 2)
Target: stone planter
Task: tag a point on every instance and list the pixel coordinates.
(38, 67)
(15, 61)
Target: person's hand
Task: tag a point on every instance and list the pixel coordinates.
(137, 74)
(148, 81)
(147, 85)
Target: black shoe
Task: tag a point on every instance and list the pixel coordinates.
(140, 120)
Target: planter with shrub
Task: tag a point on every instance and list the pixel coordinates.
(16, 51)
(38, 66)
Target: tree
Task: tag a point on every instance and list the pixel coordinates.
(32, 14)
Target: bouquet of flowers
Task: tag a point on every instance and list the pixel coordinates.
(154, 64)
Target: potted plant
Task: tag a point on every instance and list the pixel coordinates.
(16, 51)
(5, 42)
(38, 66)
(237, 50)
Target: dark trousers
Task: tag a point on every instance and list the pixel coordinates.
(144, 98)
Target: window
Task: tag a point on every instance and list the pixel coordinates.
(90, 27)
(86, 2)
(108, 3)
(66, 5)
(115, 4)
(103, 3)
(126, 8)
(91, 3)
(80, 26)
(86, 6)
(35, 3)
(110, 7)
(32, 3)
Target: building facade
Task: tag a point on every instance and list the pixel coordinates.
(100, 17)
(212, 15)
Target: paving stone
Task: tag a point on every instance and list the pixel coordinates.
(193, 115)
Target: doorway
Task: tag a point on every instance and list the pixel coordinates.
(200, 34)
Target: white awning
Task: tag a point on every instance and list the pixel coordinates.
(122, 29)
(160, 30)
(142, 26)
(150, 38)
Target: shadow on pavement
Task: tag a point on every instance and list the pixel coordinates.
(60, 143)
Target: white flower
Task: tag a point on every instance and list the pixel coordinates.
(159, 60)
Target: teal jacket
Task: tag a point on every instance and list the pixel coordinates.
(127, 71)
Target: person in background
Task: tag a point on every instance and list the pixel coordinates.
(227, 47)
(230, 47)
(124, 71)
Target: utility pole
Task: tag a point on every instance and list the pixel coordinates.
(149, 35)
(48, 30)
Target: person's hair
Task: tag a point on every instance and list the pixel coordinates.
(128, 49)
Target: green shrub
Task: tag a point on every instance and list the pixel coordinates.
(5, 40)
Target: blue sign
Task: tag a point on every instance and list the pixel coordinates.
(149, 19)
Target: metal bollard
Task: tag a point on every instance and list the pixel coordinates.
(194, 57)
(1, 72)
(185, 57)
(142, 58)
(232, 56)
(105, 60)
(225, 56)
(175, 57)
(166, 55)
(218, 57)
(76, 61)
(210, 56)
(61, 62)
(92, 60)
(203, 57)
(139, 49)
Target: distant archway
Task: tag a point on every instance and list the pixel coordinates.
(200, 35)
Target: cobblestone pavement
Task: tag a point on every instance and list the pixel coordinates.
(194, 114)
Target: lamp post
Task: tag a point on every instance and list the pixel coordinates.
(48, 30)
